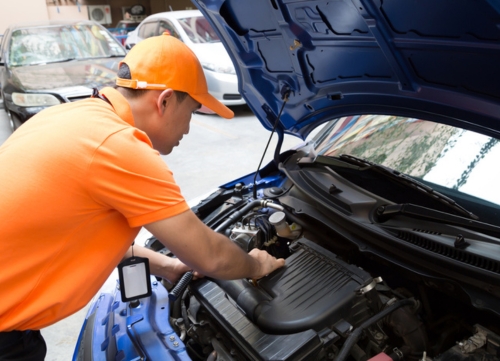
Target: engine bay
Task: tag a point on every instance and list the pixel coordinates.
(330, 301)
(339, 297)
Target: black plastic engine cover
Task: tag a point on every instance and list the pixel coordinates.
(313, 291)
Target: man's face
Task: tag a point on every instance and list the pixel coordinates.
(174, 124)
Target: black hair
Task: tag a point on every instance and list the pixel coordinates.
(124, 73)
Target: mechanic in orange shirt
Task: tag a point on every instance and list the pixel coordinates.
(80, 179)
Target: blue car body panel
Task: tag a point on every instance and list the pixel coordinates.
(114, 330)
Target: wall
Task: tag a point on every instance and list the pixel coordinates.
(32, 10)
(158, 6)
(21, 11)
(151, 6)
(116, 7)
(68, 12)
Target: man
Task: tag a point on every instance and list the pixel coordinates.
(79, 180)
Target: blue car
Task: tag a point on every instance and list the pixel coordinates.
(388, 215)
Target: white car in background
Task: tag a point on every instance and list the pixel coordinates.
(193, 29)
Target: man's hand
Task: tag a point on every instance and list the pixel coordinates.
(266, 262)
(175, 269)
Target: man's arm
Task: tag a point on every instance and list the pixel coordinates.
(209, 252)
(160, 265)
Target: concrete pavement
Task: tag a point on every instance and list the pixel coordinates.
(215, 152)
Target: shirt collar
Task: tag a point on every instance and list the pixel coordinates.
(119, 104)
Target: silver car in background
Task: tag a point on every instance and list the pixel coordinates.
(193, 29)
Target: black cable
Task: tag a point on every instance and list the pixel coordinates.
(280, 141)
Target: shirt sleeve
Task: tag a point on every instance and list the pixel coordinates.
(126, 174)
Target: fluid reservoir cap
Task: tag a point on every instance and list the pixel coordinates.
(277, 218)
(273, 192)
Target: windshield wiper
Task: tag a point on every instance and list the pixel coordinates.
(110, 56)
(54, 61)
(409, 181)
(349, 161)
(415, 211)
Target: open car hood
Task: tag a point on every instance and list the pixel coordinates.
(436, 60)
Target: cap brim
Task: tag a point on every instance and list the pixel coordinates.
(213, 104)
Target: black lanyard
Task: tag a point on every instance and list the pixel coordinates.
(95, 94)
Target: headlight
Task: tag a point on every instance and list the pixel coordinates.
(229, 69)
(34, 100)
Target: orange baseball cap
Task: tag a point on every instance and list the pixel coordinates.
(162, 62)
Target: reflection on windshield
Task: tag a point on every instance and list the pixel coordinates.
(441, 154)
(39, 45)
(199, 30)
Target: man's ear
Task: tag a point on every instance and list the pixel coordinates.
(163, 100)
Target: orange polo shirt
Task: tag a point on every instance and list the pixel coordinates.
(78, 181)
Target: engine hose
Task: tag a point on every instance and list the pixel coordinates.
(181, 286)
(277, 150)
(407, 326)
(238, 214)
(187, 322)
(354, 336)
(246, 296)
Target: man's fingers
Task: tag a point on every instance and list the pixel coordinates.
(197, 275)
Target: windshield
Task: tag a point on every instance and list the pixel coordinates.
(40, 45)
(199, 30)
(454, 158)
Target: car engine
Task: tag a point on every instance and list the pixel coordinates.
(328, 303)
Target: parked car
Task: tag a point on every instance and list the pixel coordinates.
(194, 30)
(388, 218)
(49, 63)
(121, 30)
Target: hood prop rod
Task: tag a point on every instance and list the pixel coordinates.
(285, 93)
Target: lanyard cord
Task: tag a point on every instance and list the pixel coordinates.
(95, 94)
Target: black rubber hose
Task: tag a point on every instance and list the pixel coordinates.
(184, 314)
(246, 296)
(243, 211)
(277, 150)
(181, 286)
(175, 309)
(354, 336)
(407, 326)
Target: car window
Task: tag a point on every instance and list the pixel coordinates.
(123, 27)
(39, 45)
(3, 43)
(148, 30)
(199, 30)
(456, 159)
(167, 26)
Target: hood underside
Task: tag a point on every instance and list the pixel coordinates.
(437, 60)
